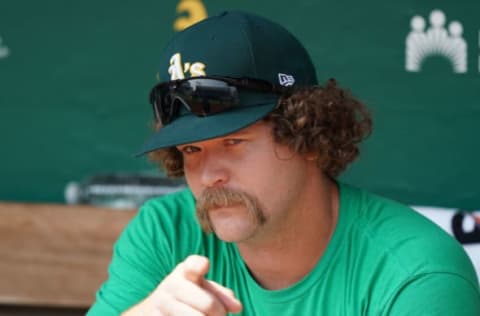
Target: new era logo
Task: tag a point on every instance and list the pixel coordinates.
(286, 80)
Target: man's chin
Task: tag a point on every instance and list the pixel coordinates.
(233, 237)
(230, 226)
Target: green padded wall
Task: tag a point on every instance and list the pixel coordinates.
(74, 79)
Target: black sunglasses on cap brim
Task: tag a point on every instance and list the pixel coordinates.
(204, 96)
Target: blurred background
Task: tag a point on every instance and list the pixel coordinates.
(74, 81)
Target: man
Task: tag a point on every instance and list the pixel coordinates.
(265, 229)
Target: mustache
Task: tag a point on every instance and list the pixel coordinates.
(222, 197)
(217, 197)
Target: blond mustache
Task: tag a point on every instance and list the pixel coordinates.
(217, 197)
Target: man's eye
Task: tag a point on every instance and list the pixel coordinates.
(233, 141)
(189, 149)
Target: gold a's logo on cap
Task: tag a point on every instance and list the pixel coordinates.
(177, 70)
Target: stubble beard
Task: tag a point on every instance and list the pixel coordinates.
(213, 198)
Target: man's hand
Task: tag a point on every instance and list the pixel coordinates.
(185, 291)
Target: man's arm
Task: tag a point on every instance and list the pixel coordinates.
(436, 294)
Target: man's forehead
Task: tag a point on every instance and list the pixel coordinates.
(255, 127)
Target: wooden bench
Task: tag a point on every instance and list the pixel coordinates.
(55, 255)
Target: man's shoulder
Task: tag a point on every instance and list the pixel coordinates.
(380, 215)
(386, 218)
(406, 239)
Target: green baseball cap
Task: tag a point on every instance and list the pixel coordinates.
(233, 44)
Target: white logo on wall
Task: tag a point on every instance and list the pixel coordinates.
(4, 51)
(436, 40)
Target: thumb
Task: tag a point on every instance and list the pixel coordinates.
(195, 267)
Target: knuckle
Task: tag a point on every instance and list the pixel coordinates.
(212, 307)
(160, 303)
(170, 283)
(209, 304)
(229, 292)
(164, 299)
(164, 286)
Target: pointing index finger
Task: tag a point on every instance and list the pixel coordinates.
(226, 295)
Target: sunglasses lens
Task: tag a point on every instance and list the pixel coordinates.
(208, 96)
(162, 104)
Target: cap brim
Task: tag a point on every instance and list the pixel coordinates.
(191, 128)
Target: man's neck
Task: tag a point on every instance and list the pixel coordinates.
(281, 261)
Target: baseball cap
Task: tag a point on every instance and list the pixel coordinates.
(233, 44)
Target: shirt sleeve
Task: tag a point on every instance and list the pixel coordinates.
(140, 261)
(436, 294)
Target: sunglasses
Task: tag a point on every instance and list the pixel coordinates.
(204, 96)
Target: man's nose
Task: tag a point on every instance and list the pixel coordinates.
(214, 171)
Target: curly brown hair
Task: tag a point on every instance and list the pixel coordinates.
(325, 122)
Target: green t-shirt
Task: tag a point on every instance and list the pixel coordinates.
(383, 259)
